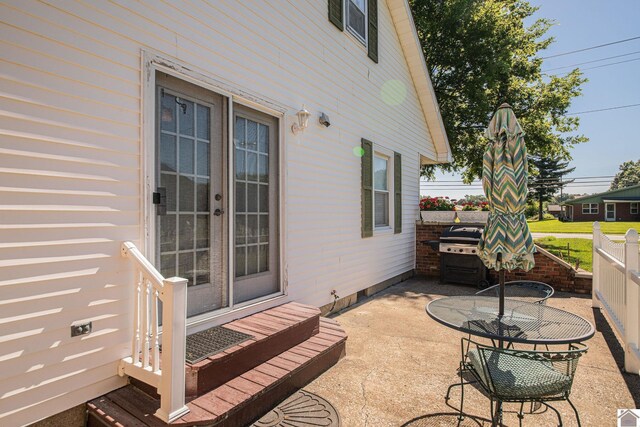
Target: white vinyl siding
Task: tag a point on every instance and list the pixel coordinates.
(71, 158)
(589, 208)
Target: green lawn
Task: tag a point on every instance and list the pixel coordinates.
(555, 226)
(579, 250)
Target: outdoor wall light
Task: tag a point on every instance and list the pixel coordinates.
(303, 120)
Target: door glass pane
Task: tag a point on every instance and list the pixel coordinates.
(168, 181)
(186, 155)
(203, 158)
(263, 260)
(168, 113)
(168, 152)
(252, 135)
(252, 259)
(185, 117)
(263, 138)
(186, 193)
(185, 232)
(202, 121)
(202, 195)
(252, 166)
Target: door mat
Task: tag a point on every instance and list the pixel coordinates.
(301, 409)
(211, 341)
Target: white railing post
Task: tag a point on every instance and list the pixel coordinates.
(632, 303)
(595, 278)
(174, 333)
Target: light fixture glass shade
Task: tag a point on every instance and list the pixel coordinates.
(303, 120)
(303, 117)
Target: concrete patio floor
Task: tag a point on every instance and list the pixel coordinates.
(400, 362)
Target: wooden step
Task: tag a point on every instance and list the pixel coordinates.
(240, 400)
(275, 331)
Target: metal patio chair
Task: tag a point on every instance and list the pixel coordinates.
(521, 376)
(523, 290)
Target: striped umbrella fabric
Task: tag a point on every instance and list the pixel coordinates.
(504, 179)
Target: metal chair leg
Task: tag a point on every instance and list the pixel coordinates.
(521, 414)
(575, 410)
(554, 410)
(461, 416)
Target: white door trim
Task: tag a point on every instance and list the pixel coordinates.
(606, 212)
(152, 62)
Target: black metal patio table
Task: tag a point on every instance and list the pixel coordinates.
(522, 322)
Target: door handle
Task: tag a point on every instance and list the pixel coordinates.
(218, 212)
(160, 200)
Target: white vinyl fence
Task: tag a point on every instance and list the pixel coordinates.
(616, 289)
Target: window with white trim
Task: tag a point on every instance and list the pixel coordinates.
(381, 166)
(356, 14)
(634, 208)
(589, 208)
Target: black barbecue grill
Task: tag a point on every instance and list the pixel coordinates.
(459, 261)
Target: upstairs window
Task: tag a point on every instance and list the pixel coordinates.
(360, 17)
(356, 19)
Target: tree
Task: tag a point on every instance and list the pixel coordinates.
(548, 179)
(480, 54)
(629, 175)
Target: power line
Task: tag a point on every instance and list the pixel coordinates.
(603, 109)
(590, 48)
(591, 62)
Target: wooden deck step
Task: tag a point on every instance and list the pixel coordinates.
(274, 331)
(240, 400)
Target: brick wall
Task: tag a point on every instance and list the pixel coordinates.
(549, 269)
(623, 213)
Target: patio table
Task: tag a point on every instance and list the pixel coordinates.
(522, 322)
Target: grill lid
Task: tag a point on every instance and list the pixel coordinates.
(461, 233)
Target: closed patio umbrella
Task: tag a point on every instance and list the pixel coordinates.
(506, 242)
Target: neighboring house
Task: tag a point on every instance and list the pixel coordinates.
(555, 210)
(169, 124)
(616, 205)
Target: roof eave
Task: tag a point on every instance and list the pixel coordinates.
(406, 30)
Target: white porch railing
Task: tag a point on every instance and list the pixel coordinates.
(163, 370)
(616, 289)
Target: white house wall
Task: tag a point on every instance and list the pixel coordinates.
(70, 166)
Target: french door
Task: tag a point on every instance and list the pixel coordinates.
(194, 215)
(190, 198)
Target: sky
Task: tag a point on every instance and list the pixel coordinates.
(614, 136)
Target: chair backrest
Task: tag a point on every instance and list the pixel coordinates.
(530, 372)
(524, 290)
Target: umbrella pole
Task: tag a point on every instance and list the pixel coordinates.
(501, 274)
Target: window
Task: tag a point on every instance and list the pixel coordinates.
(356, 18)
(589, 208)
(634, 208)
(381, 190)
(360, 17)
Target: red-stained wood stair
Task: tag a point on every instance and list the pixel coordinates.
(292, 345)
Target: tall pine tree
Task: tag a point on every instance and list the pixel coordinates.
(547, 180)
